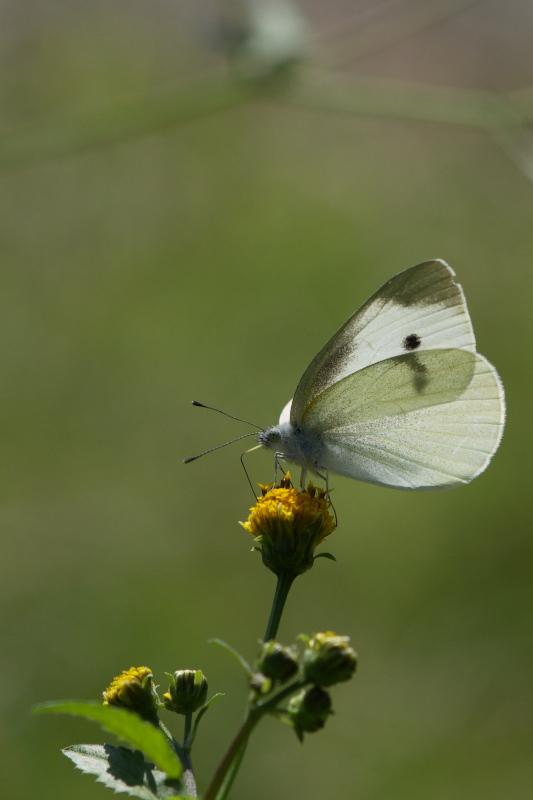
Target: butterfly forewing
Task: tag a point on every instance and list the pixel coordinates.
(427, 420)
(419, 309)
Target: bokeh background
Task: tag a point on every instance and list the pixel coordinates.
(184, 217)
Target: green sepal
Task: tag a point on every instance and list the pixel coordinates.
(124, 770)
(188, 744)
(127, 725)
(237, 656)
(325, 555)
(299, 735)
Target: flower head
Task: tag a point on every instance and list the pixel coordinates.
(134, 689)
(309, 710)
(277, 662)
(328, 659)
(289, 524)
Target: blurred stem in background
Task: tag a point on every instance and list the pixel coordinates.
(271, 56)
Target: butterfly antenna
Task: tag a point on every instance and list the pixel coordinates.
(239, 419)
(193, 458)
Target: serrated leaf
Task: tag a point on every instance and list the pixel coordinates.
(124, 770)
(127, 726)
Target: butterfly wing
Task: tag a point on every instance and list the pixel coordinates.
(285, 415)
(425, 420)
(419, 309)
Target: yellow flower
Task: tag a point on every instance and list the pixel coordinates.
(134, 689)
(289, 524)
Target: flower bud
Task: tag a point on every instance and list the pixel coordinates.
(260, 684)
(308, 710)
(187, 691)
(277, 662)
(134, 689)
(329, 659)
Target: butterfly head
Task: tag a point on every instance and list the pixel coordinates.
(296, 445)
(277, 437)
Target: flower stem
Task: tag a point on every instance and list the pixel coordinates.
(285, 581)
(229, 766)
(187, 732)
(185, 758)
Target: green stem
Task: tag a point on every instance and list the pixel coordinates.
(226, 772)
(285, 581)
(229, 766)
(187, 732)
(185, 758)
(233, 769)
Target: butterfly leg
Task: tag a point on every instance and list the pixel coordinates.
(328, 496)
(277, 466)
(324, 477)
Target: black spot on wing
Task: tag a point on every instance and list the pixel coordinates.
(412, 342)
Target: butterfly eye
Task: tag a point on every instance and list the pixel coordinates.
(273, 436)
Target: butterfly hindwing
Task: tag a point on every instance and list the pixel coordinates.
(426, 420)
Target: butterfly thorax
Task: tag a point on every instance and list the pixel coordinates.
(295, 445)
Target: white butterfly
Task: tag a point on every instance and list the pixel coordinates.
(398, 396)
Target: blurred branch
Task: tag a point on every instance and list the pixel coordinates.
(351, 94)
(392, 22)
(522, 99)
(63, 136)
(518, 145)
(304, 87)
(266, 62)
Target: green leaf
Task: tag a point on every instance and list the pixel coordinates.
(125, 724)
(124, 770)
(237, 656)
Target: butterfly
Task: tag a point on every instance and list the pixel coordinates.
(399, 396)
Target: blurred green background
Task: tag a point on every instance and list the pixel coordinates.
(170, 233)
